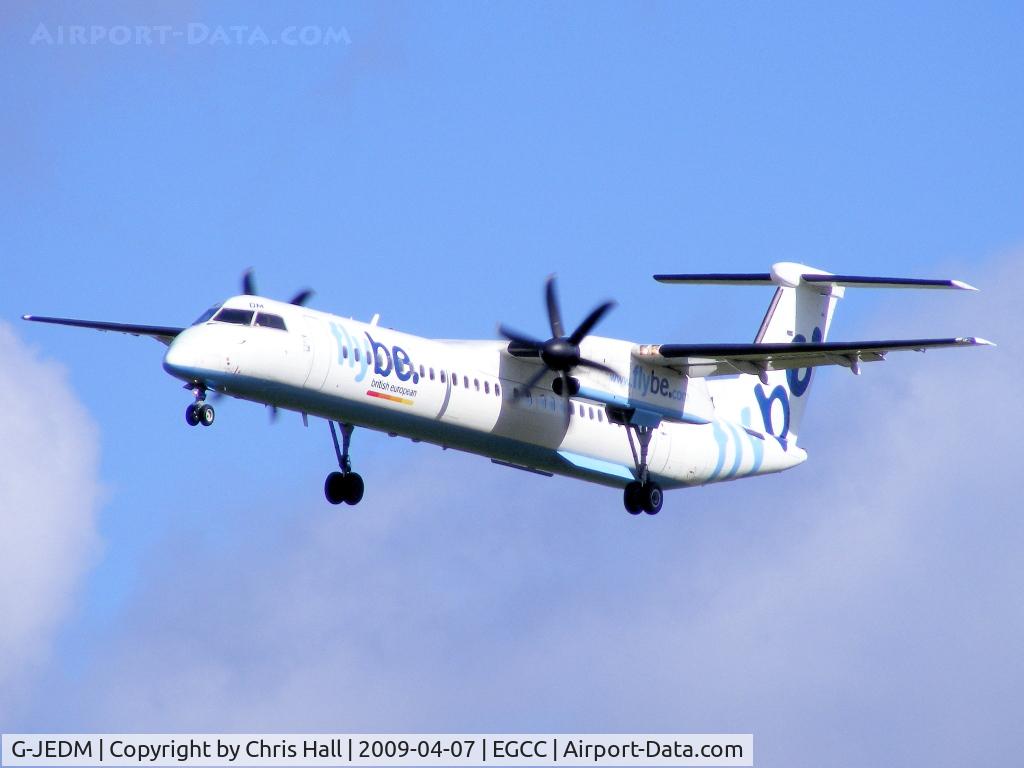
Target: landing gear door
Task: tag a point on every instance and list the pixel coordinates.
(316, 346)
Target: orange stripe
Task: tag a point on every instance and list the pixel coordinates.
(392, 398)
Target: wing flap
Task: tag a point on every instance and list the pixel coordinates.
(162, 333)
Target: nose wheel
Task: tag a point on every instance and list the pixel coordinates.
(200, 412)
(344, 486)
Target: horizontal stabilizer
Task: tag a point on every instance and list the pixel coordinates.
(793, 275)
(760, 359)
(718, 278)
(161, 333)
(859, 281)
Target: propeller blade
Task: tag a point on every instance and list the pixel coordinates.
(597, 366)
(248, 282)
(300, 298)
(520, 338)
(589, 322)
(554, 312)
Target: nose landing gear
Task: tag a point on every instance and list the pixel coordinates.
(199, 412)
(346, 485)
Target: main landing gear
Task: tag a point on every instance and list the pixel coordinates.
(643, 494)
(344, 486)
(199, 412)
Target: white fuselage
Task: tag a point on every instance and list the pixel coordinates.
(466, 395)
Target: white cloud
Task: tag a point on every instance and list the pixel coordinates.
(864, 607)
(49, 494)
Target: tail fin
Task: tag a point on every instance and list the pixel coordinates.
(797, 313)
(801, 310)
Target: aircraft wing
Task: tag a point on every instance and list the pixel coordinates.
(162, 333)
(707, 360)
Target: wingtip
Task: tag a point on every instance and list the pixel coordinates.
(976, 341)
(962, 285)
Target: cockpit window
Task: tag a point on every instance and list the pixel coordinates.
(207, 314)
(236, 316)
(270, 321)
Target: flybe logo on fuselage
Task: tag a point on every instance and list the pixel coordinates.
(648, 382)
(363, 352)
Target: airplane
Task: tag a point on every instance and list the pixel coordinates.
(642, 418)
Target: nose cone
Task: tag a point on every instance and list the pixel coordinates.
(185, 357)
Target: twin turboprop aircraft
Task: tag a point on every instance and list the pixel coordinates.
(644, 418)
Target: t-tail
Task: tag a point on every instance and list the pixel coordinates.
(776, 372)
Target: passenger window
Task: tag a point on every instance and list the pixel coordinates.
(465, 380)
(455, 379)
(234, 316)
(572, 408)
(344, 352)
(431, 374)
(423, 373)
(357, 354)
(497, 390)
(270, 321)
(591, 413)
(443, 377)
(476, 384)
(600, 416)
(487, 388)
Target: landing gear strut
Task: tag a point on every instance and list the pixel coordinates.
(344, 486)
(643, 494)
(199, 412)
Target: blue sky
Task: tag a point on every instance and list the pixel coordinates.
(435, 168)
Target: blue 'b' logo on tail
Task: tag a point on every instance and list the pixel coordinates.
(765, 403)
(800, 378)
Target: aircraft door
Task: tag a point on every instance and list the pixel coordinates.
(317, 347)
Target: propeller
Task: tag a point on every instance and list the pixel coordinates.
(249, 289)
(560, 353)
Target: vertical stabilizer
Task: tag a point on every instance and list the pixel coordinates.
(799, 311)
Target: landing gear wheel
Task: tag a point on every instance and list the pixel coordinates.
(205, 414)
(353, 488)
(191, 417)
(340, 488)
(632, 497)
(653, 498)
(334, 487)
(345, 486)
